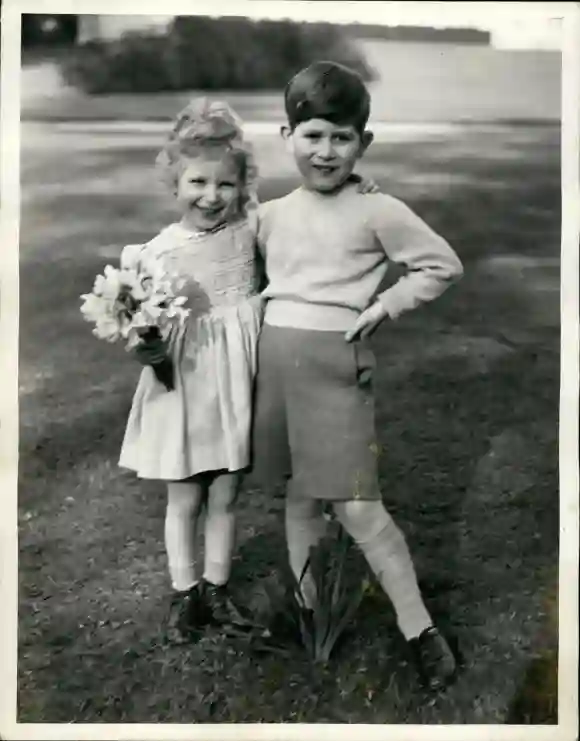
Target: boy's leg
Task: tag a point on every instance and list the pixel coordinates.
(305, 528)
(386, 551)
(330, 410)
(270, 451)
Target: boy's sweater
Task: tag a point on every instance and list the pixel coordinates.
(326, 255)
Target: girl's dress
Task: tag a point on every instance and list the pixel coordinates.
(204, 424)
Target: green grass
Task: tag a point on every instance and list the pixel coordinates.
(467, 399)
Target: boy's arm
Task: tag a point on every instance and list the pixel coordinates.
(431, 264)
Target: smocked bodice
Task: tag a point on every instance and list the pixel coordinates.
(218, 268)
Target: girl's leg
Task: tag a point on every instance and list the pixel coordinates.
(187, 612)
(219, 546)
(386, 551)
(220, 527)
(184, 504)
(305, 528)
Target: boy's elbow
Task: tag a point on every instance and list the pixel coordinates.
(453, 268)
(457, 271)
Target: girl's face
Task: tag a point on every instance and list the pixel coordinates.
(325, 153)
(209, 190)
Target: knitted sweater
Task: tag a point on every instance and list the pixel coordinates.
(326, 255)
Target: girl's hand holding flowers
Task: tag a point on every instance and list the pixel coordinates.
(139, 306)
(152, 351)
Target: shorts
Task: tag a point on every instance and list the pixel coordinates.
(314, 417)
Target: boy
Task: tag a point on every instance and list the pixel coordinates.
(326, 249)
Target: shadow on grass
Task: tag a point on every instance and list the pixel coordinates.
(470, 470)
(435, 438)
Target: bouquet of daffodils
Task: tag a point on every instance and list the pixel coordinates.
(139, 306)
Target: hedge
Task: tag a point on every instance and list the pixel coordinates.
(199, 53)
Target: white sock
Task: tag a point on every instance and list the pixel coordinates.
(220, 528)
(386, 552)
(184, 504)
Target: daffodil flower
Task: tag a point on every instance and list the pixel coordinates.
(125, 303)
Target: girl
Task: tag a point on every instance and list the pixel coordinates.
(196, 437)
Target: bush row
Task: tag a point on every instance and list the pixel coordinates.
(199, 53)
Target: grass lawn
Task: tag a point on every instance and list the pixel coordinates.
(467, 400)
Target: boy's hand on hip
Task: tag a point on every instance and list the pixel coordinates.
(367, 322)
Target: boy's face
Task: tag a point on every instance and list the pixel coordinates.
(325, 153)
(208, 190)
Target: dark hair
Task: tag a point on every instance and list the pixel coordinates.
(329, 91)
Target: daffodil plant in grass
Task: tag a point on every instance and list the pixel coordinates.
(320, 626)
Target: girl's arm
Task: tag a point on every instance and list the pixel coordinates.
(365, 185)
(131, 256)
(260, 267)
(260, 232)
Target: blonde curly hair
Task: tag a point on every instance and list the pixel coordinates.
(205, 124)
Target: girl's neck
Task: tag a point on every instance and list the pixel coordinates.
(186, 226)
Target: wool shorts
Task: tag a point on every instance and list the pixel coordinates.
(314, 418)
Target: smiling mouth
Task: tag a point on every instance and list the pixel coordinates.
(325, 169)
(209, 212)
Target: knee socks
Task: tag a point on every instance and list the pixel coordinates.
(380, 540)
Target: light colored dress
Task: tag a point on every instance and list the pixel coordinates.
(204, 424)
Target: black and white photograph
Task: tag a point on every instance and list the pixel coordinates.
(290, 370)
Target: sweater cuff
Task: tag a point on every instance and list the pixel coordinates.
(389, 304)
